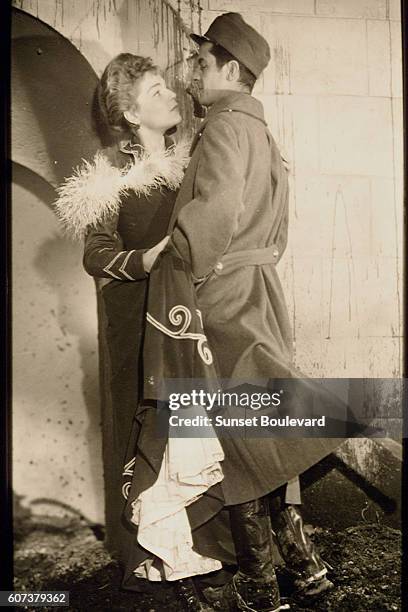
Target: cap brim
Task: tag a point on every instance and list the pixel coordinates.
(199, 40)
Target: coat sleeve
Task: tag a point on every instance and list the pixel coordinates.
(105, 257)
(205, 225)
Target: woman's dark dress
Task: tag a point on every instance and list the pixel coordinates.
(117, 233)
(142, 222)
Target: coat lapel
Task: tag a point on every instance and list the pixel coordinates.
(234, 102)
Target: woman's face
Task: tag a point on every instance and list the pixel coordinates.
(155, 106)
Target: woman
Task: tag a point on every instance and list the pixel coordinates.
(122, 203)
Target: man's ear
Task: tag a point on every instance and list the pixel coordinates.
(132, 117)
(233, 71)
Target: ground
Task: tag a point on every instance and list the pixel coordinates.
(66, 554)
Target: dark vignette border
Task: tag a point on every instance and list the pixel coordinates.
(6, 525)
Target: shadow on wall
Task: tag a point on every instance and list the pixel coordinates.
(52, 89)
(55, 124)
(31, 181)
(57, 261)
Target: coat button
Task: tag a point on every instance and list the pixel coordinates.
(219, 266)
(275, 252)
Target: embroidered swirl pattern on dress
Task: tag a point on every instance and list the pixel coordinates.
(128, 470)
(181, 316)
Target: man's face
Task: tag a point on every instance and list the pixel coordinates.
(209, 81)
(192, 87)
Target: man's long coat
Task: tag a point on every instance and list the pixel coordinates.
(230, 224)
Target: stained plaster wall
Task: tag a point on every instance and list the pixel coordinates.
(56, 407)
(333, 100)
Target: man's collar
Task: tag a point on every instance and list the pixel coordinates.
(234, 101)
(227, 100)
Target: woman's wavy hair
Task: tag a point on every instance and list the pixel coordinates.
(115, 89)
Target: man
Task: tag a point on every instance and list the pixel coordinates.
(303, 563)
(230, 224)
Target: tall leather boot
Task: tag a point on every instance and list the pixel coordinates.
(254, 588)
(297, 549)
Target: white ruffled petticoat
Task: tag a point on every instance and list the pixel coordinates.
(190, 467)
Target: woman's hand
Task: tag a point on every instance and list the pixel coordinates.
(150, 256)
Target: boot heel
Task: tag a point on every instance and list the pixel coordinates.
(300, 553)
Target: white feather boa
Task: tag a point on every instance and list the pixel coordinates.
(93, 193)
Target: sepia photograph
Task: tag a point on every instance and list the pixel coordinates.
(207, 284)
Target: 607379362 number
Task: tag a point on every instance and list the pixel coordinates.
(34, 598)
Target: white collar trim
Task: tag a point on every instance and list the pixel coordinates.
(93, 193)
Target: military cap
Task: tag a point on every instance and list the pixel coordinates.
(240, 39)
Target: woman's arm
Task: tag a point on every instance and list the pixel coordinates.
(105, 256)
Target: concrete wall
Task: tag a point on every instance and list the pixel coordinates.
(333, 100)
(101, 29)
(56, 417)
(56, 408)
